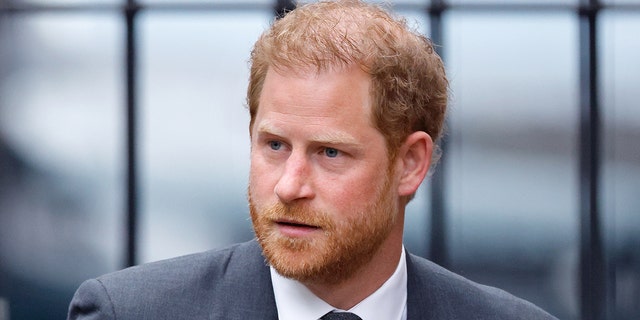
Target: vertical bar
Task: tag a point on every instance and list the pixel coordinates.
(281, 7)
(438, 244)
(592, 266)
(130, 12)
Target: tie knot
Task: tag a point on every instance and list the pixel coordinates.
(340, 316)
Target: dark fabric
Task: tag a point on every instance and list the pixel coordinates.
(340, 316)
(235, 283)
(436, 293)
(232, 283)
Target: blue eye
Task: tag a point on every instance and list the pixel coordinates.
(331, 152)
(275, 145)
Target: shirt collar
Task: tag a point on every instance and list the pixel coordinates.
(294, 301)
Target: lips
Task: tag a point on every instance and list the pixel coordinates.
(295, 229)
(295, 224)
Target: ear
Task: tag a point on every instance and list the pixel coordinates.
(413, 159)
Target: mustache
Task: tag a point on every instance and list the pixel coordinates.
(296, 214)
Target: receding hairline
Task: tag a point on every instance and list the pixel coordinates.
(342, 38)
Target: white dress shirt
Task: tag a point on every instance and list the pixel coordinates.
(295, 302)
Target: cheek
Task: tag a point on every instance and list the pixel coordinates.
(351, 194)
(260, 180)
(264, 175)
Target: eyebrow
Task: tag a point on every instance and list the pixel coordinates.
(334, 137)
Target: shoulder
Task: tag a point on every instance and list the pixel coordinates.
(209, 264)
(177, 287)
(454, 297)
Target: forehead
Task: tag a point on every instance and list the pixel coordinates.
(340, 96)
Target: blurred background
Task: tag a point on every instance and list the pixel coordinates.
(124, 139)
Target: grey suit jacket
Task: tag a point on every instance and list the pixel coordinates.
(235, 283)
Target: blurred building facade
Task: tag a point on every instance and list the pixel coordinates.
(124, 139)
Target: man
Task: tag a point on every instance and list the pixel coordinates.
(345, 103)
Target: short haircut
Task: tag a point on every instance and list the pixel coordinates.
(409, 86)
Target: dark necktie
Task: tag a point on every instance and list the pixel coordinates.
(340, 316)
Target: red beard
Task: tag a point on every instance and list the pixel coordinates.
(336, 250)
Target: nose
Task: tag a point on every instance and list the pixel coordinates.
(294, 183)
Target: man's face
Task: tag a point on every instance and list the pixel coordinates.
(322, 192)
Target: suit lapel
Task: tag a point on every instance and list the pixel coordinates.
(249, 290)
(422, 292)
(415, 294)
(267, 300)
